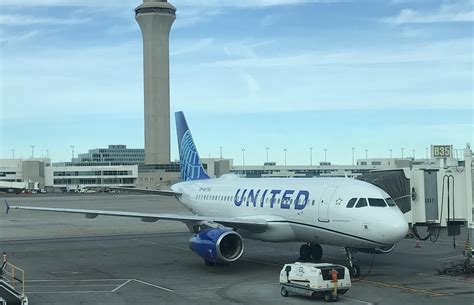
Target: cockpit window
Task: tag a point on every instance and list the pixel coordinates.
(361, 203)
(351, 203)
(377, 202)
(390, 202)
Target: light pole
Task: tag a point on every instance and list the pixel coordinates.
(47, 153)
(366, 154)
(267, 153)
(285, 155)
(413, 154)
(243, 156)
(426, 149)
(353, 149)
(32, 151)
(325, 155)
(220, 148)
(391, 153)
(72, 152)
(310, 156)
(13, 153)
(402, 151)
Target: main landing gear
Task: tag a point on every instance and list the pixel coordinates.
(354, 269)
(313, 252)
(310, 252)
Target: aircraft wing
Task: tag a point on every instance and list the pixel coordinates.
(146, 191)
(252, 225)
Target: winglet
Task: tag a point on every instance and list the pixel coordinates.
(8, 207)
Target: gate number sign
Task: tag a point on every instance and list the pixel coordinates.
(441, 151)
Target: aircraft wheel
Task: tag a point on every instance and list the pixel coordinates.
(354, 271)
(209, 263)
(305, 252)
(316, 252)
(284, 292)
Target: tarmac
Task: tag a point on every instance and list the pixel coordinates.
(69, 259)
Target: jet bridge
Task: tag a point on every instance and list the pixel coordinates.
(435, 195)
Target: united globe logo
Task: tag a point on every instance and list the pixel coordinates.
(191, 168)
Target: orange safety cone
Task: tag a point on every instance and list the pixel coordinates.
(417, 245)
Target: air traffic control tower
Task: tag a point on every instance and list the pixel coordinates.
(155, 18)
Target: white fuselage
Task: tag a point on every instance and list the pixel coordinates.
(308, 210)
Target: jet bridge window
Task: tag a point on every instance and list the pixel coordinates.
(361, 203)
(390, 202)
(351, 203)
(377, 202)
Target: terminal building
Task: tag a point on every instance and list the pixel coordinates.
(75, 178)
(113, 155)
(23, 173)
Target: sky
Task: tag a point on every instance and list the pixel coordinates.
(284, 74)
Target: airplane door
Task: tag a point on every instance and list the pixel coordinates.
(323, 210)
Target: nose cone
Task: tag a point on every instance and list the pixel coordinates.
(395, 228)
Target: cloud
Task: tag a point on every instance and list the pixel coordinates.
(87, 80)
(250, 3)
(6, 39)
(191, 46)
(177, 3)
(445, 51)
(445, 14)
(24, 20)
(71, 3)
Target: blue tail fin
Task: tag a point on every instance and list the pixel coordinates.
(191, 167)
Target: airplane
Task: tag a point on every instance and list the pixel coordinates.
(344, 212)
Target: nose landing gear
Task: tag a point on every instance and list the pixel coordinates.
(311, 252)
(353, 268)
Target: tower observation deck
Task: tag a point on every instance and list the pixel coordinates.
(155, 18)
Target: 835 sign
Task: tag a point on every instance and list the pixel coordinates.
(441, 151)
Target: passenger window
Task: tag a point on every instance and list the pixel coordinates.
(361, 203)
(377, 202)
(390, 202)
(351, 203)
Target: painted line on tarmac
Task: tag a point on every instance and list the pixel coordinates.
(68, 292)
(187, 249)
(121, 285)
(160, 244)
(356, 300)
(153, 285)
(260, 262)
(63, 286)
(124, 282)
(233, 285)
(83, 280)
(446, 278)
(409, 289)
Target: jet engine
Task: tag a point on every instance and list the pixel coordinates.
(381, 250)
(217, 245)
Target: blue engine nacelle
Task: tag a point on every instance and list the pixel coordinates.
(216, 245)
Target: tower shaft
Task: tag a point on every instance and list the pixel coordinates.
(155, 18)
